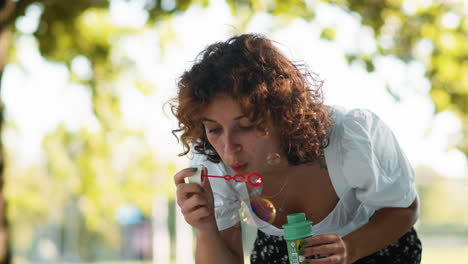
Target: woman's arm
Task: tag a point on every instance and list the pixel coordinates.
(386, 226)
(220, 247)
(197, 206)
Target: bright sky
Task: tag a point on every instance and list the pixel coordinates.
(38, 96)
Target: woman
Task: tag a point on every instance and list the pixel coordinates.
(243, 107)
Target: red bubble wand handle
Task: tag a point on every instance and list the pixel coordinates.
(254, 179)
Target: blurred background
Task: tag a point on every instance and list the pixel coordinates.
(88, 157)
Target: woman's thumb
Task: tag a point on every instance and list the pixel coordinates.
(206, 185)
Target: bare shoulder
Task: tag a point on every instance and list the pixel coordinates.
(232, 236)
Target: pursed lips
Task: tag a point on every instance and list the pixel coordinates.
(238, 167)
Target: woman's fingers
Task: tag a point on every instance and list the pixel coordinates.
(186, 190)
(196, 215)
(332, 259)
(189, 188)
(323, 250)
(327, 249)
(330, 246)
(180, 176)
(194, 202)
(322, 239)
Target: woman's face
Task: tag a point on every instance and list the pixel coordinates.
(237, 141)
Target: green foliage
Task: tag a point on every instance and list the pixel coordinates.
(94, 171)
(445, 203)
(68, 29)
(404, 32)
(32, 195)
(441, 27)
(104, 170)
(328, 33)
(97, 171)
(58, 32)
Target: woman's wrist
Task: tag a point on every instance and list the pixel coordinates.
(207, 234)
(351, 252)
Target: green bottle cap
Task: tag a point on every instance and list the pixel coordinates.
(296, 218)
(297, 227)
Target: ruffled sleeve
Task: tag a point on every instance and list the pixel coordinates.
(374, 165)
(226, 202)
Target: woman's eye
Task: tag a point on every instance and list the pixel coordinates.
(247, 127)
(214, 130)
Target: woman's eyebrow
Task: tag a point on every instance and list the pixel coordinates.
(204, 119)
(240, 117)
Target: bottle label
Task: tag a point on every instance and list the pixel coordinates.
(293, 251)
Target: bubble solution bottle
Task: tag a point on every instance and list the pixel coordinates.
(295, 231)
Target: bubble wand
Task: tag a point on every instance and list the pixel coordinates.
(254, 179)
(263, 208)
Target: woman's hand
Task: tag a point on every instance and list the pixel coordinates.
(195, 201)
(330, 247)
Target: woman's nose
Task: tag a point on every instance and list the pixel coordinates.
(231, 145)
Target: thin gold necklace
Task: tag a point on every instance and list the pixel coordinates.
(280, 209)
(280, 191)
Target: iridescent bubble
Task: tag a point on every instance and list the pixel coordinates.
(273, 158)
(259, 206)
(248, 188)
(263, 208)
(255, 192)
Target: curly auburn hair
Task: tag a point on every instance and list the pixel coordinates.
(268, 86)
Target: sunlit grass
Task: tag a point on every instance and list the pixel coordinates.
(445, 255)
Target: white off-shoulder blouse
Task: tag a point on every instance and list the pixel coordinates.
(367, 167)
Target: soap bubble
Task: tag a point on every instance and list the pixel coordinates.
(263, 209)
(248, 189)
(260, 208)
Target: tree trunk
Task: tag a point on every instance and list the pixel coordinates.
(6, 9)
(5, 252)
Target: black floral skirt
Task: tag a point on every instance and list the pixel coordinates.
(406, 250)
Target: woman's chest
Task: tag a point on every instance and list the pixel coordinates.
(312, 194)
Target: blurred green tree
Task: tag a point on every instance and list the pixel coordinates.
(63, 34)
(443, 203)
